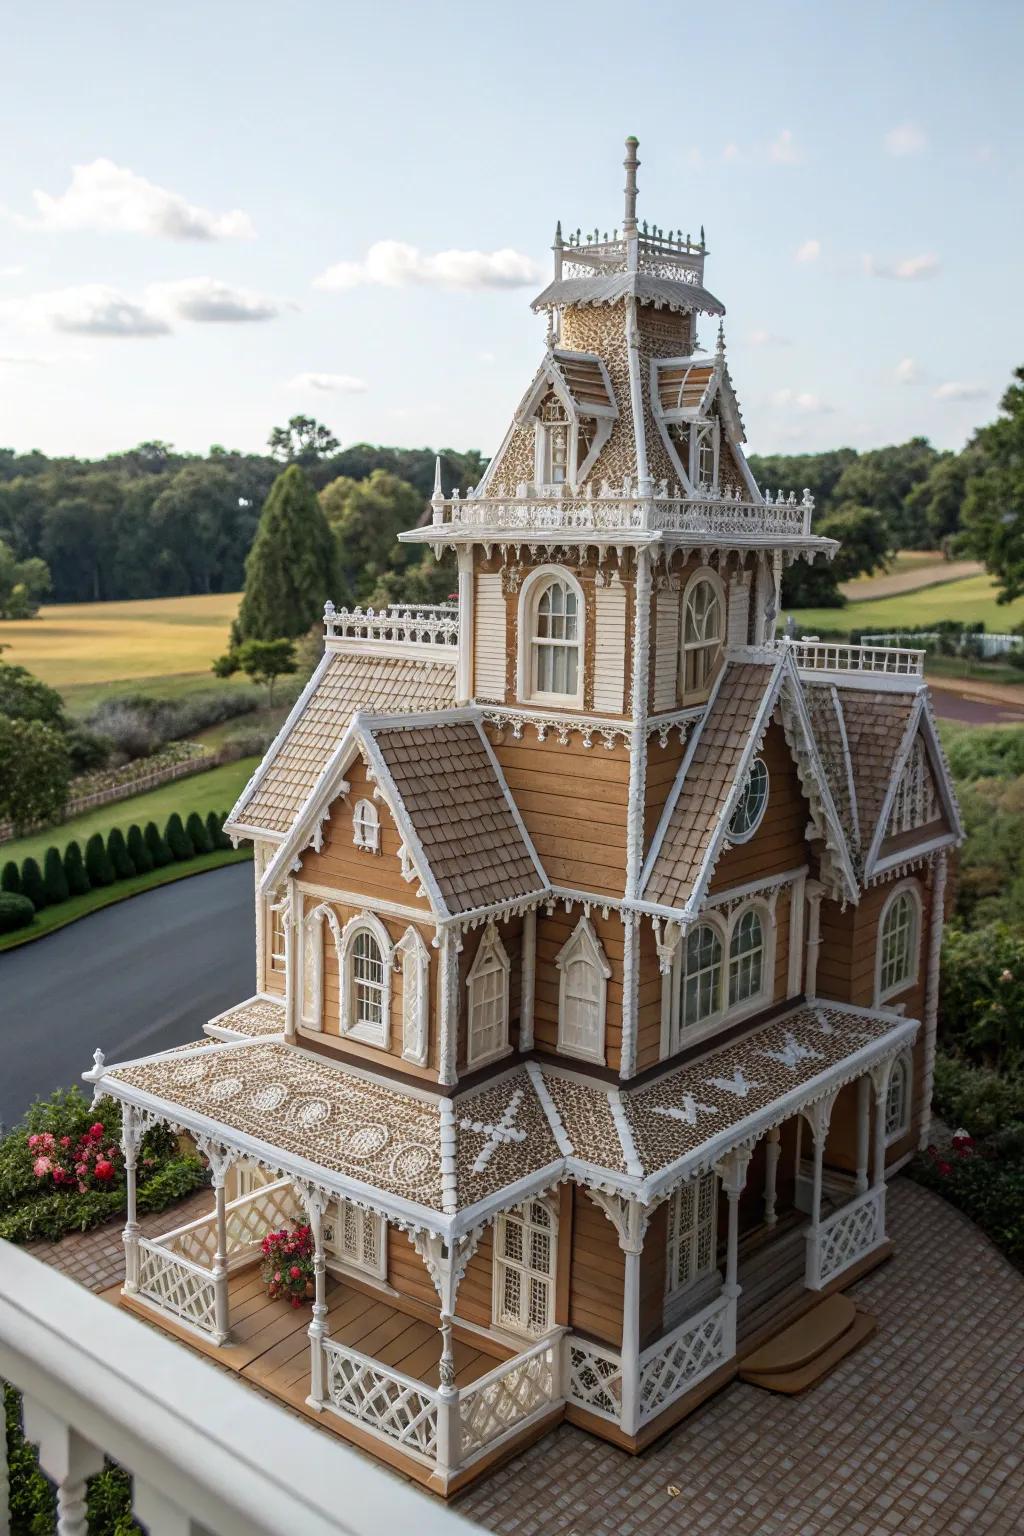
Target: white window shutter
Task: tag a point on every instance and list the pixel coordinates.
(739, 611)
(666, 649)
(489, 638)
(610, 649)
(415, 998)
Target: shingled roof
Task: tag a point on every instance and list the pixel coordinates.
(876, 724)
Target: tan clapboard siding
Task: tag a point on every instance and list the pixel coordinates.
(407, 1271)
(553, 932)
(849, 948)
(778, 844)
(663, 763)
(610, 649)
(341, 866)
(489, 643)
(666, 651)
(597, 1273)
(653, 1261)
(739, 611)
(783, 906)
(651, 985)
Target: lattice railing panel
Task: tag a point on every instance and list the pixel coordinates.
(507, 1397)
(249, 1219)
(673, 1365)
(395, 1406)
(174, 1285)
(593, 1378)
(848, 1235)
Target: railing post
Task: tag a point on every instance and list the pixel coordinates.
(863, 1118)
(773, 1147)
(318, 1325)
(130, 1139)
(67, 1459)
(449, 1437)
(220, 1262)
(631, 1240)
(159, 1515)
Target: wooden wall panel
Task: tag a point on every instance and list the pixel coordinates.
(490, 637)
(651, 986)
(609, 690)
(667, 608)
(552, 934)
(597, 1273)
(653, 1262)
(778, 844)
(341, 866)
(663, 764)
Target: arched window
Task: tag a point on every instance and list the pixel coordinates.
(898, 942)
(366, 826)
(487, 987)
(897, 1098)
(703, 635)
(692, 1218)
(366, 980)
(582, 994)
(553, 426)
(551, 638)
(700, 991)
(525, 1242)
(746, 958)
(752, 803)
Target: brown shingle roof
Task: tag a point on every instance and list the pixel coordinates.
(585, 380)
(823, 707)
(682, 386)
(460, 811)
(383, 684)
(875, 726)
(709, 778)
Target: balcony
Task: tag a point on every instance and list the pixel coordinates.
(882, 664)
(690, 518)
(430, 626)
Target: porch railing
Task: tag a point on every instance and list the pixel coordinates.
(685, 1356)
(508, 1398)
(593, 1378)
(387, 1403)
(434, 625)
(176, 1285)
(880, 660)
(249, 1218)
(844, 1238)
(618, 512)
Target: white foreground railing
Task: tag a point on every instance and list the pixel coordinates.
(206, 1453)
(885, 660)
(845, 1237)
(685, 1356)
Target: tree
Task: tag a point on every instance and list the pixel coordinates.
(32, 883)
(302, 441)
(24, 697)
(195, 828)
(142, 859)
(367, 516)
(10, 878)
(215, 829)
(97, 862)
(157, 845)
(290, 570)
(55, 881)
(261, 660)
(118, 855)
(883, 480)
(863, 548)
(177, 839)
(74, 870)
(993, 516)
(35, 770)
(23, 584)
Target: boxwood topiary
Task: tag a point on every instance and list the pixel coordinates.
(54, 878)
(177, 839)
(139, 854)
(215, 827)
(157, 846)
(74, 869)
(10, 879)
(32, 883)
(118, 855)
(195, 829)
(97, 861)
(15, 912)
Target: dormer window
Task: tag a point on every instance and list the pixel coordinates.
(703, 635)
(553, 428)
(366, 826)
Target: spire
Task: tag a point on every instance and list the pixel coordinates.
(438, 492)
(558, 248)
(720, 347)
(631, 164)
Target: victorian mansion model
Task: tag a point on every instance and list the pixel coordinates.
(597, 942)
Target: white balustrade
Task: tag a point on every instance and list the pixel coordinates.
(883, 660)
(845, 1237)
(508, 1398)
(249, 1219)
(702, 515)
(433, 625)
(694, 1349)
(378, 1398)
(178, 1286)
(593, 1378)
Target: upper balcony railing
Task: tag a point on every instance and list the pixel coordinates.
(433, 624)
(700, 516)
(881, 660)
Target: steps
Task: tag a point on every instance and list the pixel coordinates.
(802, 1354)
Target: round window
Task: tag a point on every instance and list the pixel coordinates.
(747, 815)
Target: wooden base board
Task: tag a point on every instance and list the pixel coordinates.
(810, 1299)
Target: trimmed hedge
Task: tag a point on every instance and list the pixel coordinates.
(32, 884)
(195, 831)
(10, 879)
(117, 853)
(74, 869)
(97, 861)
(139, 854)
(55, 881)
(157, 845)
(178, 840)
(15, 912)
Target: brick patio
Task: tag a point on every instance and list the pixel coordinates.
(921, 1431)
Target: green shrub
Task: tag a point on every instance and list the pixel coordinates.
(195, 831)
(161, 854)
(142, 859)
(986, 1182)
(55, 880)
(215, 827)
(979, 1100)
(74, 869)
(15, 912)
(117, 853)
(981, 997)
(987, 752)
(10, 879)
(97, 861)
(177, 839)
(32, 883)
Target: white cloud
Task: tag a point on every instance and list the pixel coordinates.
(809, 251)
(784, 150)
(112, 199)
(11, 271)
(209, 301)
(94, 309)
(340, 383)
(955, 390)
(393, 264)
(802, 400)
(40, 359)
(906, 139)
(907, 371)
(768, 339)
(909, 270)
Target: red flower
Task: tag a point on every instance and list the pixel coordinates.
(945, 1169)
(97, 1131)
(296, 1302)
(295, 1271)
(65, 1141)
(104, 1170)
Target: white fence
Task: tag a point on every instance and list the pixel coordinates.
(828, 656)
(844, 1238)
(432, 625)
(980, 643)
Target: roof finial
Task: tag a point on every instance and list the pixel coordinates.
(558, 248)
(631, 164)
(438, 492)
(720, 348)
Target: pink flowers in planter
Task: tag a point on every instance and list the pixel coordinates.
(91, 1162)
(288, 1264)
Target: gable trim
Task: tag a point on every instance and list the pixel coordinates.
(921, 719)
(233, 825)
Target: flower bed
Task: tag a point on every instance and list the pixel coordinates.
(129, 774)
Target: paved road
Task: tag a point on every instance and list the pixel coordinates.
(138, 977)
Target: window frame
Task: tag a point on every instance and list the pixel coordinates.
(530, 595)
(489, 949)
(700, 693)
(701, 1233)
(904, 1065)
(725, 926)
(748, 832)
(522, 1214)
(910, 890)
(337, 1256)
(311, 963)
(277, 933)
(366, 826)
(583, 946)
(351, 1028)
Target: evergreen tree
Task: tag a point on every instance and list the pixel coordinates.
(118, 855)
(159, 851)
(195, 828)
(32, 883)
(10, 880)
(177, 839)
(139, 854)
(55, 880)
(215, 830)
(97, 861)
(74, 869)
(290, 570)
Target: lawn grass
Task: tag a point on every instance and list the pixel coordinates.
(70, 645)
(82, 698)
(971, 601)
(52, 918)
(215, 790)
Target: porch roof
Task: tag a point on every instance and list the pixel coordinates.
(445, 1165)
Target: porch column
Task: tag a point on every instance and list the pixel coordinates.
(66, 1458)
(814, 891)
(631, 1241)
(880, 1082)
(315, 1205)
(733, 1172)
(863, 1119)
(220, 1259)
(130, 1138)
(772, 1150)
(817, 1116)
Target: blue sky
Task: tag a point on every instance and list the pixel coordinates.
(177, 181)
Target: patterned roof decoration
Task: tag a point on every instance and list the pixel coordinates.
(609, 288)
(876, 724)
(460, 809)
(256, 1016)
(826, 715)
(502, 1134)
(723, 736)
(385, 684)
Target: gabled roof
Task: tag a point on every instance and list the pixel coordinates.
(341, 684)
(876, 726)
(579, 379)
(921, 724)
(685, 386)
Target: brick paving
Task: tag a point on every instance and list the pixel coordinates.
(96, 1258)
(922, 1430)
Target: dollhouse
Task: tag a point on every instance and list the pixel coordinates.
(597, 941)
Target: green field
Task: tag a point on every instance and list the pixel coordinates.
(969, 601)
(216, 790)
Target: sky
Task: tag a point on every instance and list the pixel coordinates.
(214, 216)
